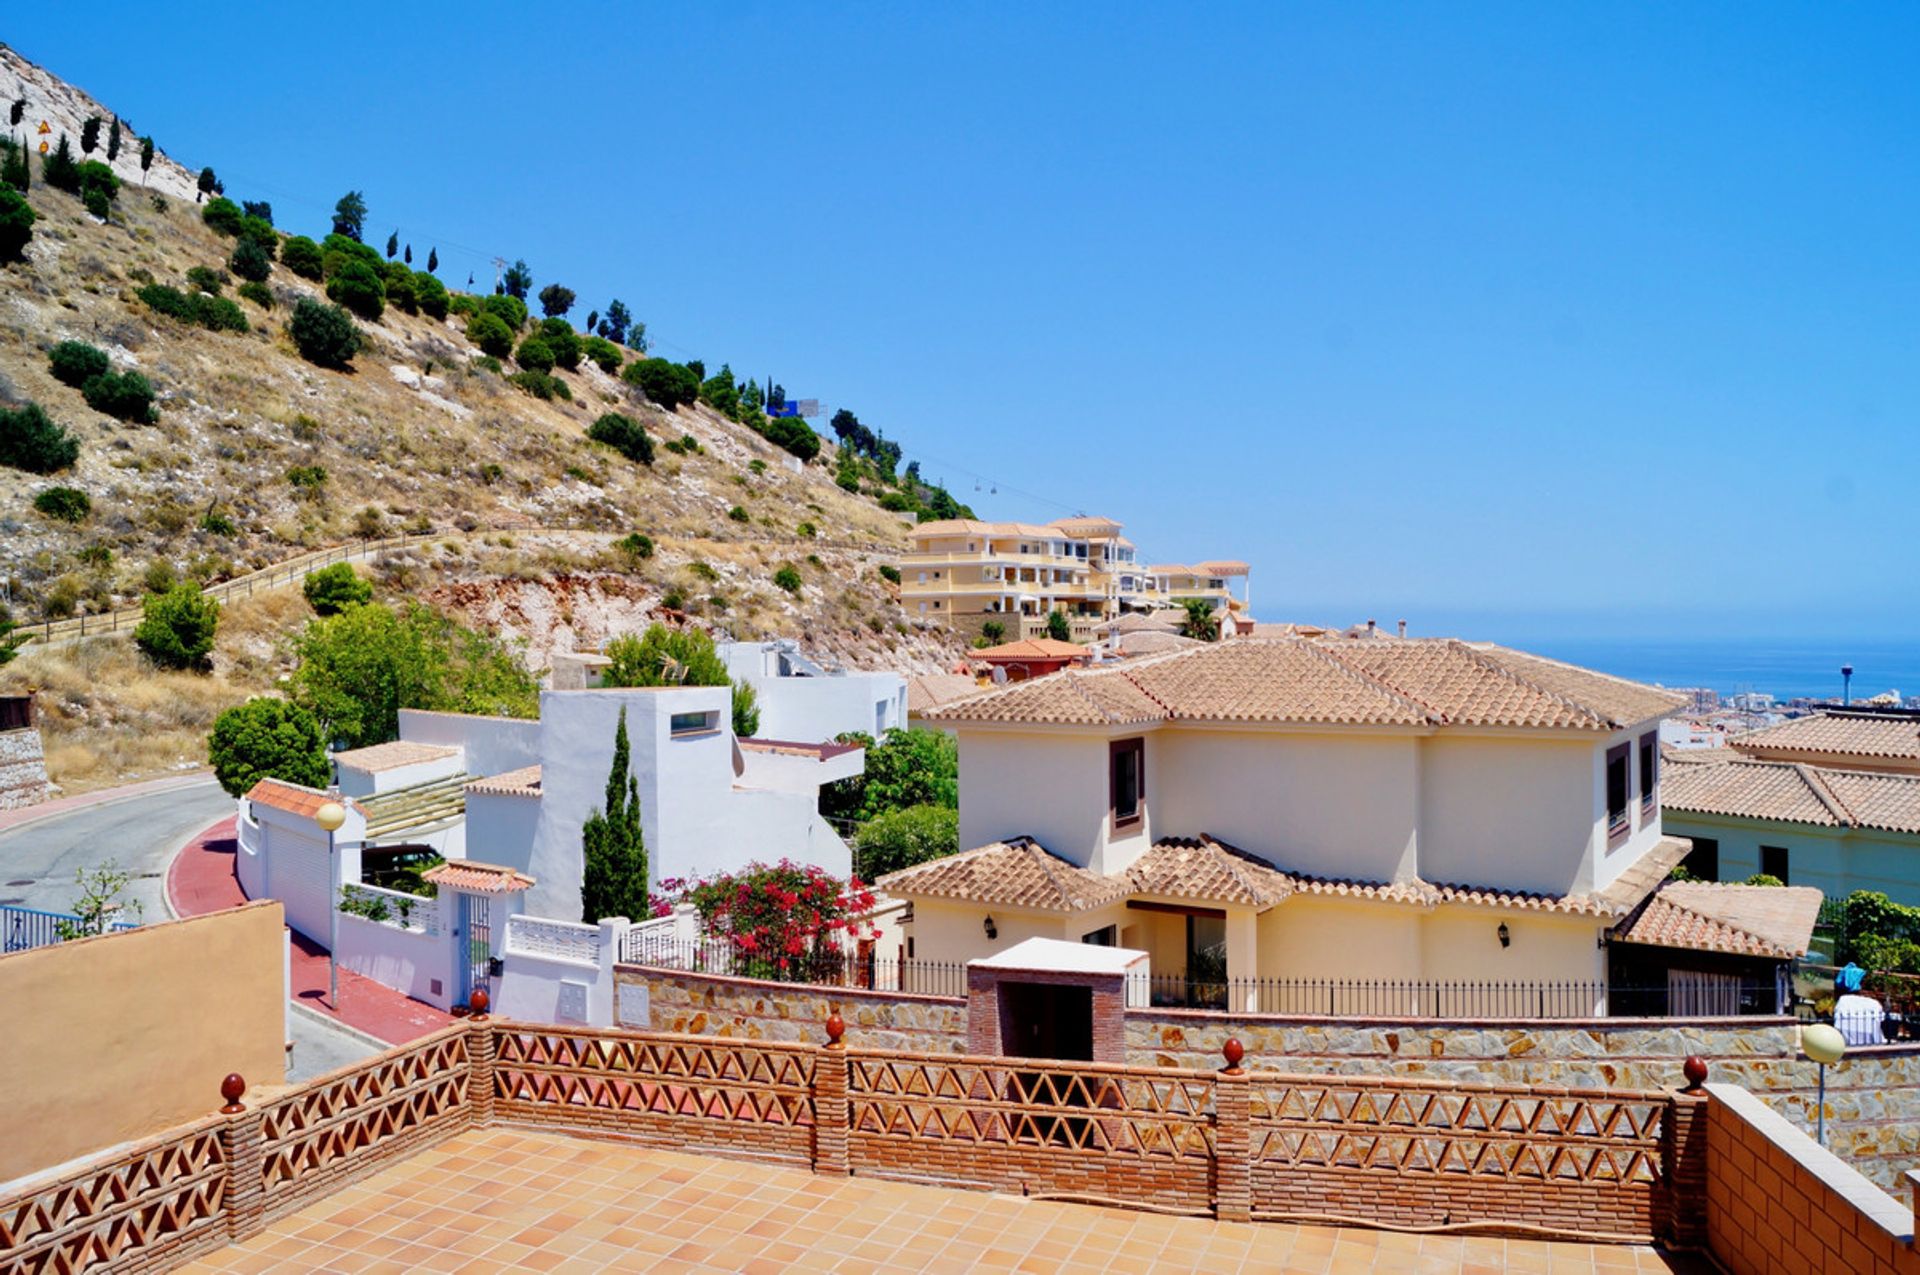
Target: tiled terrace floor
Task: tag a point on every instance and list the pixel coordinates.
(502, 1199)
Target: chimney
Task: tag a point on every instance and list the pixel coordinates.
(1371, 626)
(1846, 684)
(1403, 628)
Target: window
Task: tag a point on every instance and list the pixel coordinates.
(1105, 936)
(1773, 863)
(1704, 859)
(691, 723)
(1127, 761)
(1649, 769)
(1619, 821)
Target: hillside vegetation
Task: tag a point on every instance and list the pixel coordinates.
(575, 501)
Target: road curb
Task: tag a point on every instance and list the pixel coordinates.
(345, 1029)
(115, 797)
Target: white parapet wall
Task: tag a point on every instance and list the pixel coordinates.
(560, 971)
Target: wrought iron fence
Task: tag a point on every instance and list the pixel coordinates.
(24, 928)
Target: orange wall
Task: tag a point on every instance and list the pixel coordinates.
(121, 1036)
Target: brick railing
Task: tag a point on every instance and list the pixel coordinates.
(1236, 1144)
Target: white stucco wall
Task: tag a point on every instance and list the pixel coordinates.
(493, 745)
(536, 979)
(1513, 812)
(1609, 862)
(817, 708)
(1051, 787)
(407, 960)
(285, 858)
(365, 783)
(501, 829)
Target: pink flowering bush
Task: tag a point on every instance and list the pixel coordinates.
(783, 921)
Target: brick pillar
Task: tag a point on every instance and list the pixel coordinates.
(1232, 1140)
(831, 1117)
(1684, 1161)
(244, 1144)
(480, 1070)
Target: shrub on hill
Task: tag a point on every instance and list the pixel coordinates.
(219, 314)
(336, 250)
(603, 352)
(250, 261)
(491, 333)
(206, 279)
(626, 436)
(177, 627)
(99, 187)
(542, 385)
(563, 341)
(68, 504)
(303, 256)
(399, 286)
(75, 362)
(333, 589)
(30, 440)
(222, 215)
(789, 579)
(794, 435)
(261, 231)
(16, 225)
(358, 286)
(126, 395)
(738, 514)
(430, 294)
(324, 334)
(638, 545)
(534, 354)
(664, 382)
(258, 293)
(59, 169)
(267, 739)
(511, 309)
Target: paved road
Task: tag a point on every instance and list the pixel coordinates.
(38, 863)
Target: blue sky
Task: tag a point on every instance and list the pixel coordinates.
(1510, 320)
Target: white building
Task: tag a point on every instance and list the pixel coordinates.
(800, 700)
(1296, 809)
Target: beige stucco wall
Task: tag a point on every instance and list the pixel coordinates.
(1051, 787)
(1517, 813)
(118, 1037)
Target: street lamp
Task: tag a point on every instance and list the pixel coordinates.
(1824, 1044)
(330, 816)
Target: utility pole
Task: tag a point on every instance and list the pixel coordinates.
(499, 264)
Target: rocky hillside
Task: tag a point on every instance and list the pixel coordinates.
(63, 108)
(256, 455)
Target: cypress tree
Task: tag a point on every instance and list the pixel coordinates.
(433, 260)
(614, 877)
(113, 140)
(207, 183)
(59, 171)
(146, 158)
(90, 135)
(408, 255)
(393, 245)
(19, 110)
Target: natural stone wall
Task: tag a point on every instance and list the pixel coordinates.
(711, 1005)
(1873, 1098)
(23, 769)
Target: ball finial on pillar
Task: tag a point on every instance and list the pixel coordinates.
(1233, 1051)
(231, 1088)
(477, 1002)
(836, 1027)
(1695, 1070)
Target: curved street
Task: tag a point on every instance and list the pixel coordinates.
(139, 833)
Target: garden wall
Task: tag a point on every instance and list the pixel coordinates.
(754, 1009)
(23, 769)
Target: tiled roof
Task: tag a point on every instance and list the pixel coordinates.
(1746, 920)
(1890, 803)
(1840, 734)
(392, 755)
(1150, 642)
(524, 782)
(1145, 622)
(477, 878)
(293, 798)
(1222, 567)
(972, 527)
(1421, 682)
(929, 690)
(794, 748)
(1752, 790)
(1644, 875)
(1033, 648)
(1014, 873)
(1087, 526)
(1204, 869)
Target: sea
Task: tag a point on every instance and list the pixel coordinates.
(1783, 668)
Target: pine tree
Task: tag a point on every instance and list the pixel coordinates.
(90, 135)
(393, 245)
(17, 172)
(207, 183)
(433, 260)
(146, 158)
(59, 170)
(614, 877)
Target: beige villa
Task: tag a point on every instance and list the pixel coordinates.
(1288, 808)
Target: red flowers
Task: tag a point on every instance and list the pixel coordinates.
(796, 914)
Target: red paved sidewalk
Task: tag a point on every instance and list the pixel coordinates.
(201, 879)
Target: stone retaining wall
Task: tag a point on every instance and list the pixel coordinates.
(755, 1009)
(23, 769)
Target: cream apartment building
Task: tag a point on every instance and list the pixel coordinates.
(965, 573)
(1418, 810)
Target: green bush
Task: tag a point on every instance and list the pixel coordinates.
(75, 362)
(258, 293)
(1764, 878)
(535, 355)
(677, 657)
(332, 589)
(807, 530)
(176, 627)
(16, 225)
(324, 334)
(603, 352)
(739, 515)
(398, 279)
(250, 261)
(213, 522)
(307, 478)
(901, 838)
(30, 440)
(222, 215)
(792, 433)
(542, 385)
(511, 310)
(126, 395)
(169, 301)
(430, 294)
(358, 286)
(491, 333)
(625, 435)
(487, 363)
(337, 250)
(206, 279)
(303, 256)
(99, 187)
(68, 504)
(905, 768)
(563, 341)
(666, 383)
(220, 314)
(261, 232)
(635, 546)
(789, 579)
(890, 573)
(267, 739)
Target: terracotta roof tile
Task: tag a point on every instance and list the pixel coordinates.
(1187, 868)
(1747, 920)
(1644, 875)
(930, 690)
(477, 878)
(392, 755)
(1087, 526)
(293, 798)
(1750, 789)
(524, 782)
(1873, 799)
(1149, 642)
(1034, 648)
(1013, 873)
(825, 751)
(1842, 735)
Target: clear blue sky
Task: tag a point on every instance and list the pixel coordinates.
(1511, 320)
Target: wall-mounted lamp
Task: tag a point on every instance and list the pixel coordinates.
(1506, 935)
(993, 931)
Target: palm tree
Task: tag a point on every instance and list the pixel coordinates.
(1200, 623)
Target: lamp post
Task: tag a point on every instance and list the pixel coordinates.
(330, 817)
(1824, 1044)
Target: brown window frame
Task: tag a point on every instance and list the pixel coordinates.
(1622, 829)
(1649, 771)
(1115, 749)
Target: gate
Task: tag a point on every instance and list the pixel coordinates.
(474, 955)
